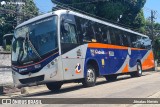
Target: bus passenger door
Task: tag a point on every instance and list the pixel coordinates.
(70, 50)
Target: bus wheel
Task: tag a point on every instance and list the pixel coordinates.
(137, 73)
(111, 78)
(90, 80)
(54, 86)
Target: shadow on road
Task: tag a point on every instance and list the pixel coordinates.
(74, 87)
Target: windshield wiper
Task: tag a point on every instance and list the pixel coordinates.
(32, 46)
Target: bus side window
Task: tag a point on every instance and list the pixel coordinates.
(105, 35)
(98, 31)
(129, 40)
(125, 40)
(147, 43)
(112, 36)
(118, 36)
(90, 35)
(79, 29)
(115, 36)
(108, 36)
(134, 42)
(69, 34)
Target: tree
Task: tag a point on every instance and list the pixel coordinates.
(8, 16)
(156, 31)
(124, 12)
(29, 10)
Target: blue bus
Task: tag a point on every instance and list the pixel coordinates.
(65, 45)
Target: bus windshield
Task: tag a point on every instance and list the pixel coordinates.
(34, 40)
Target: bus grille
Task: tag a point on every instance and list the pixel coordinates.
(32, 80)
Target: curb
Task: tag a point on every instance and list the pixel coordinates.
(9, 88)
(11, 92)
(1, 90)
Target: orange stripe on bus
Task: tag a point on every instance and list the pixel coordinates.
(148, 62)
(125, 70)
(108, 46)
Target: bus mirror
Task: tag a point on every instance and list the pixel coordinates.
(14, 45)
(4, 44)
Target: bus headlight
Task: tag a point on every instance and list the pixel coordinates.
(52, 63)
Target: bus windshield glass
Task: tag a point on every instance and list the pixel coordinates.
(34, 40)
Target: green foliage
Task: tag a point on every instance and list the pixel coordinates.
(156, 29)
(156, 33)
(8, 48)
(130, 10)
(29, 10)
(8, 16)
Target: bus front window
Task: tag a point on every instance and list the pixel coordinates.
(33, 41)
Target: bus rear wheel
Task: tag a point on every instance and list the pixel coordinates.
(137, 73)
(111, 78)
(90, 80)
(54, 86)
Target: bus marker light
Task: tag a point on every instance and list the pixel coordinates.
(103, 63)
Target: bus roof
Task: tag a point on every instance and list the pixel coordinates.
(63, 11)
(35, 19)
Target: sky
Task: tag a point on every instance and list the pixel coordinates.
(46, 5)
(152, 5)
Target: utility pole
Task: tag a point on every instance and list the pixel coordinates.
(152, 30)
(152, 22)
(18, 10)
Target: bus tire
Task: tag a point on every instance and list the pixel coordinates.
(137, 73)
(54, 86)
(90, 80)
(111, 78)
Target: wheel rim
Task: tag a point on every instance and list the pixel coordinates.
(90, 75)
(139, 69)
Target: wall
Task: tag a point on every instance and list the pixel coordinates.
(5, 68)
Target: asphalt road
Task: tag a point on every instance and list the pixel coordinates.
(125, 87)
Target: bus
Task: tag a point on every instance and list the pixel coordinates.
(67, 46)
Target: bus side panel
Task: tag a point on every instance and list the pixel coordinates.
(109, 60)
(148, 61)
(119, 60)
(116, 60)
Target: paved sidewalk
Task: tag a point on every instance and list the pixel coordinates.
(17, 92)
(6, 80)
(6, 76)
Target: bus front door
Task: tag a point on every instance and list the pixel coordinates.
(71, 53)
